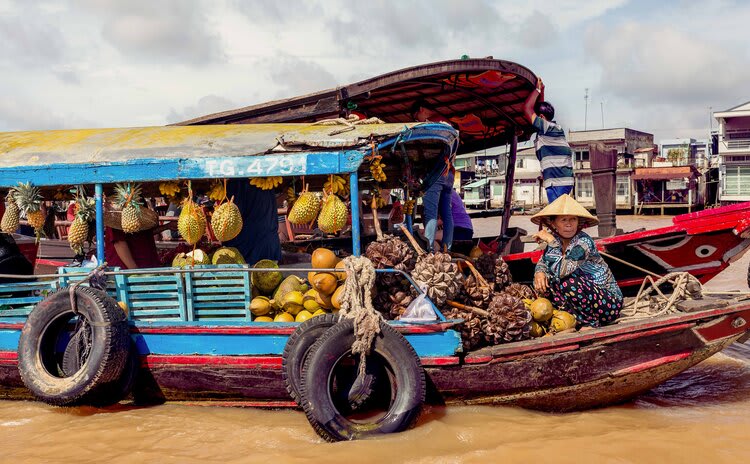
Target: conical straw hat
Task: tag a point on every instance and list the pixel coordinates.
(565, 205)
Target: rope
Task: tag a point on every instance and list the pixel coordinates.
(644, 305)
(356, 304)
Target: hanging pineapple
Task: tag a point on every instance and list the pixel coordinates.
(305, 209)
(333, 215)
(128, 199)
(79, 229)
(29, 201)
(11, 216)
(226, 221)
(192, 221)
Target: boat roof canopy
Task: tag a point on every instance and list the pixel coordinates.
(66, 157)
(483, 98)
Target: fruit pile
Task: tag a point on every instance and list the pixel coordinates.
(197, 257)
(294, 299)
(548, 320)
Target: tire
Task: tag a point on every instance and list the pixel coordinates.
(109, 393)
(298, 348)
(399, 389)
(40, 363)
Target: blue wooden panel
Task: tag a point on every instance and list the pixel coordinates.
(204, 313)
(156, 312)
(9, 340)
(21, 311)
(233, 291)
(152, 279)
(222, 297)
(440, 344)
(23, 301)
(155, 296)
(189, 313)
(151, 288)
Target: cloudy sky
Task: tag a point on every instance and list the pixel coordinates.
(652, 66)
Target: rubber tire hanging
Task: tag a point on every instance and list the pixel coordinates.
(396, 354)
(297, 349)
(40, 363)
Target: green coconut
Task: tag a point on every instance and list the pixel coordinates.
(266, 282)
(197, 257)
(227, 255)
(179, 260)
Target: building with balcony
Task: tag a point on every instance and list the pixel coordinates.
(734, 154)
(634, 149)
(685, 152)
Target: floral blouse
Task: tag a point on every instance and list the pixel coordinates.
(581, 255)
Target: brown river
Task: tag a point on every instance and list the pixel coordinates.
(700, 416)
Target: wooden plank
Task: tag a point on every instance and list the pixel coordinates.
(247, 296)
(154, 296)
(221, 289)
(154, 304)
(189, 314)
(181, 301)
(156, 312)
(15, 301)
(153, 279)
(221, 297)
(152, 288)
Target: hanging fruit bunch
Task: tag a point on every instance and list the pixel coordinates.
(171, 191)
(61, 194)
(29, 201)
(409, 207)
(12, 214)
(84, 213)
(291, 196)
(337, 185)
(218, 191)
(191, 224)
(377, 169)
(226, 221)
(128, 200)
(266, 183)
(305, 209)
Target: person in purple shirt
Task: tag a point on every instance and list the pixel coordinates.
(462, 227)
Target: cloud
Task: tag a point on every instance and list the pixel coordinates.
(538, 31)
(32, 43)
(206, 105)
(164, 31)
(646, 63)
(21, 114)
(296, 76)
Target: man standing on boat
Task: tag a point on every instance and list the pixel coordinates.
(552, 149)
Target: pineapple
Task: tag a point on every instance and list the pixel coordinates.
(29, 201)
(226, 221)
(128, 199)
(9, 223)
(79, 229)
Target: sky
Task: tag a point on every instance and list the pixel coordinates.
(653, 66)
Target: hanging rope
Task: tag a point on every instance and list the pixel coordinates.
(684, 285)
(356, 304)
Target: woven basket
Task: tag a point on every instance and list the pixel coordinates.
(113, 218)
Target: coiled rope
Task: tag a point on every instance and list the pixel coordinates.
(356, 304)
(685, 286)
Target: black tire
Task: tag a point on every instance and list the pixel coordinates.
(298, 348)
(109, 393)
(40, 362)
(399, 388)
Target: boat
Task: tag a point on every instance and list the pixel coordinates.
(492, 92)
(188, 334)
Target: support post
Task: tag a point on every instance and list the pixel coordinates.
(604, 177)
(99, 200)
(355, 205)
(510, 173)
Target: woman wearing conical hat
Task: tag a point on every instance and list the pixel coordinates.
(571, 271)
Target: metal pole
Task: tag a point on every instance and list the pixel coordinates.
(510, 173)
(354, 195)
(98, 198)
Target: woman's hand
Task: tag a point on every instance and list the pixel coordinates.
(541, 284)
(543, 236)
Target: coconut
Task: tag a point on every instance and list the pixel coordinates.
(266, 282)
(562, 320)
(541, 309)
(260, 306)
(324, 282)
(290, 284)
(323, 258)
(197, 257)
(292, 302)
(179, 260)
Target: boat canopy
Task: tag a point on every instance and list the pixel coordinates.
(482, 97)
(64, 157)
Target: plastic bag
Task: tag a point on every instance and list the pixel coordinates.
(421, 309)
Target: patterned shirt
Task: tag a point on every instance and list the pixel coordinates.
(581, 255)
(553, 153)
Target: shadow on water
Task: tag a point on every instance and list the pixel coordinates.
(722, 379)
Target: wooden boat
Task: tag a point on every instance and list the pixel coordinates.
(189, 334)
(703, 243)
(492, 92)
